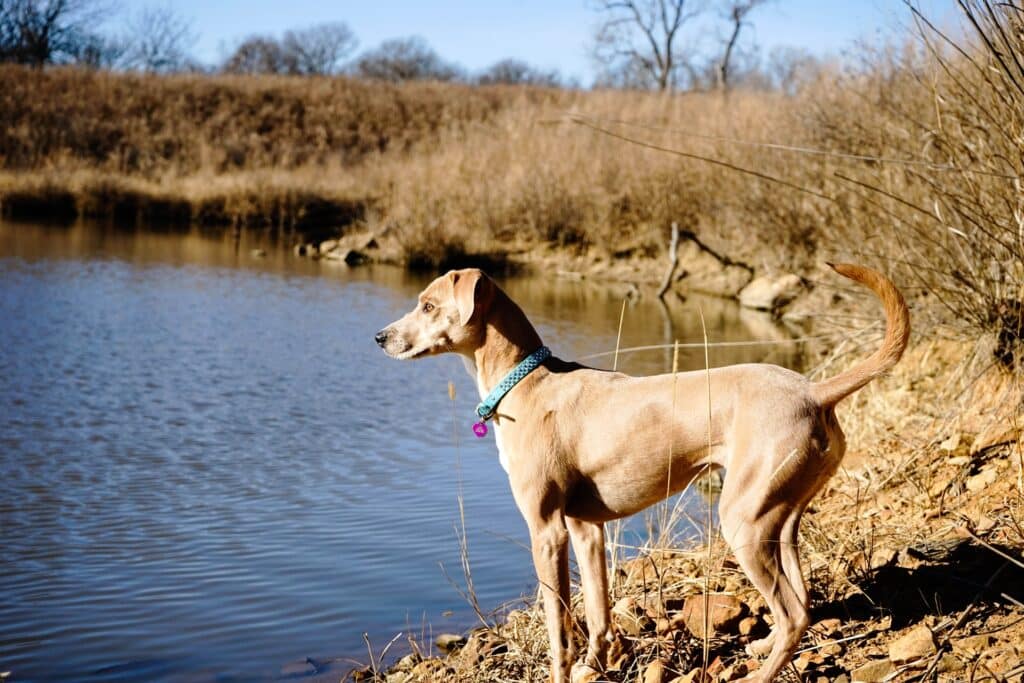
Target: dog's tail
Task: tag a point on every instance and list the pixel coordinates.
(897, 331)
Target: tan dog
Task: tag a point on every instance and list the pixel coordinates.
(585, 446)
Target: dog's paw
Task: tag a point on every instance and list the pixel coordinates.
(584, 673)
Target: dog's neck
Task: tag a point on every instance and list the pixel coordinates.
(508, 338)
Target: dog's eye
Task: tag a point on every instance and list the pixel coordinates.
(428, 307)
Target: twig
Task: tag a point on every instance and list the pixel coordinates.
(673, 261)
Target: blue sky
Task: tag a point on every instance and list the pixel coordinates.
(548, 33)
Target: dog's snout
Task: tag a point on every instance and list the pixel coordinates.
(381, 338)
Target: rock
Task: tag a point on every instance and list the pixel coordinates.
(449, 642)
(951, 443)
(771, 293)
(694, 676)
(428, 670)
(581, 673)
(914, 645)
(351, 257)
(483, 644)
(630, 617)
(982, 480)
(808, 660)
(655, 672)
(975, 644)
(724, 614)
(748, 625)
(995, 434)
(873, 672)
(407, 662)
(949, 663)
(828, 628)
(328, 246)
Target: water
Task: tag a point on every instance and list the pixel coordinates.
(209, 470)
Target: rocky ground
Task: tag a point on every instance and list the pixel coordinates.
(914, 553)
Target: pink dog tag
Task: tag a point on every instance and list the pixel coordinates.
(480, 429)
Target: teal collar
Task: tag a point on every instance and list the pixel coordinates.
(485, 409)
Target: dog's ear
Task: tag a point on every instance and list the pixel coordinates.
(468, 288)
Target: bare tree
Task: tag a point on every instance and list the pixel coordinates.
(158, 40)
(518, 72)
(405, 59)
(39, 32)
(736, 11)
(640, 39)
(257, 55)
(319, 50)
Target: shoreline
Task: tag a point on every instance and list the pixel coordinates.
(914, 554)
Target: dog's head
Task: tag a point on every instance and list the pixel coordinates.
(449, 316)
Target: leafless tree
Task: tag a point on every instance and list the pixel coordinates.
(158, 40)
(518, 72)
(257, 55)
(640, 39)
(737, 12)
(319, 50)
(405, 59)
(39, 32)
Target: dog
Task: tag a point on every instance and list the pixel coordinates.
(584, 446)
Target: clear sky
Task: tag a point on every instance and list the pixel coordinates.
(547, 33)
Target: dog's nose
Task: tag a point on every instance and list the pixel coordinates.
(381, 338)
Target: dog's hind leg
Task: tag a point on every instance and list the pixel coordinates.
(790, 557)
(756, 541)
(588, 544)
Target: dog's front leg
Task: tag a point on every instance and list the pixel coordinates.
(588, 544)
(550, 544)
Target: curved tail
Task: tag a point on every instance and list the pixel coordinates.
(897, 331)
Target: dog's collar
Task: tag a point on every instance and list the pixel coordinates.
(486, 408)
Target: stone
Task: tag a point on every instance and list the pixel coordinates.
(427, 670)
(948, 664)
(828, 628)
(328, 246)
(581, 673)
(768, 293)
(917, 643)
(808, 660)
(407, 662)
(724, 614)
(748, 625)
(631, 618)
(654, 672)
(975, 644)
(449, 642)
(982, 480)
(994, 435)
(951, 443)
(873, 672)
(483, 644)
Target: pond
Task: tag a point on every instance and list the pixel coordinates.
(208, 469)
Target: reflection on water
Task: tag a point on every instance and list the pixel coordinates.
(208, 469)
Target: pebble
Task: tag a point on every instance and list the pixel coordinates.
(916, 644)
(873, 672)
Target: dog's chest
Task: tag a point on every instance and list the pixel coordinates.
(471, 369)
